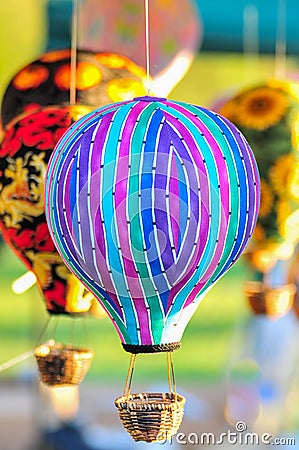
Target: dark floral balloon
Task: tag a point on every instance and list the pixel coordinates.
(24, 155)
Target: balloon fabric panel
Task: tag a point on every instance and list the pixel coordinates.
(167, 196)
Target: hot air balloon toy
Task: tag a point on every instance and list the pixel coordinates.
(267, 115)
(149, 202)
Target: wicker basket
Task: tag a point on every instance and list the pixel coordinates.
(61, 365)
(151, 417)
(274, 302)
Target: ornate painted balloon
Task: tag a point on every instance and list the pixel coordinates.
(24, 154)
(97, 79)
(267, 115)
(31, 132)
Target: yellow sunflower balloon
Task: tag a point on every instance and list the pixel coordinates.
(268, 116)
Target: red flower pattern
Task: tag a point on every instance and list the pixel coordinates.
(40, 129)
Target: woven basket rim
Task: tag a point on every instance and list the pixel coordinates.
(59, 349)
(274, 302)
(153, 420)
(150, 398)
(257, 287)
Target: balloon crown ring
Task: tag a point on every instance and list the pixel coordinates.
(135, 349)
(149, 98)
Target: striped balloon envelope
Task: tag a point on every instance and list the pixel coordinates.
(149, 203)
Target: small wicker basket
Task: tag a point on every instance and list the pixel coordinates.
(151, 417)
(273, 302)
(61, 365)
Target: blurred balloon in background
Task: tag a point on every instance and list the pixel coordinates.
(101, 78)
(267, 114)
(174, 38)
(24, 153)
(40, 103)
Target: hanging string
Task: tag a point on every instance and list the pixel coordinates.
(74, 41)
(71, 332)
(12, 362)
(146, 8)
(55, 325)
(250, 41)
(23, 356)
(74, 330)
(280, 44)
(129, 378)
(85, 331)
(44, 330)
(171, 377)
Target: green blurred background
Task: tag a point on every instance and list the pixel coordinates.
(219, 338)
(209, 338)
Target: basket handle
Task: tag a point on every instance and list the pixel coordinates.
(170, 369)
